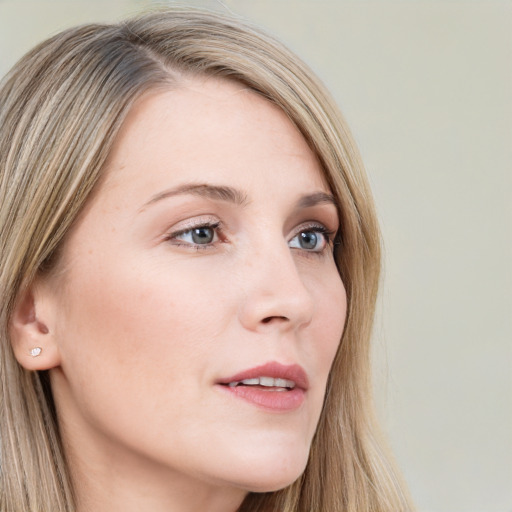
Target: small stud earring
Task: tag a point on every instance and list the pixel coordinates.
(36, 351)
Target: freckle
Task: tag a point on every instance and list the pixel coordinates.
(90, 251)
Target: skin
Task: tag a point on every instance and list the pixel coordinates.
(139, 321)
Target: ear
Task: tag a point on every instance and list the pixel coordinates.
(32, 330)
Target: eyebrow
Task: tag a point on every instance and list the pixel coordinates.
(315, 199)
(233, 195)
(216, 192)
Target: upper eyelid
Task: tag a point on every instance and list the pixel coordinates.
(213, 225)
(311, 225)
(196, 222)
(216, 224)
(322, 215)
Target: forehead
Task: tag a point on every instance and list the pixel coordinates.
(210, 130)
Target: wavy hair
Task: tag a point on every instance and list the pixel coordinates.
(61, 107)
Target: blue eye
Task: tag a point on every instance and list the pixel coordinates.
(313, 239)
(308, 240)
(200, 235)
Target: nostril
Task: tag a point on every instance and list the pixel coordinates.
(269, 319)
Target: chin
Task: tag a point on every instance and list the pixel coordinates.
(271, 475)
(270, 485)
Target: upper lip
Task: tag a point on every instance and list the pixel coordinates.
(275, 370)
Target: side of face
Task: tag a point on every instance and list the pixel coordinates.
(204, 254)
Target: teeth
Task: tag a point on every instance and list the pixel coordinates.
(251, 382)
(268, 382)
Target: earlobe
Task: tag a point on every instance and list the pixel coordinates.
(31, 334)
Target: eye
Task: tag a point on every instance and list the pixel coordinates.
(204, 234)
(312, 239)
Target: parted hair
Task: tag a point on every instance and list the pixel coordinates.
(61, 107)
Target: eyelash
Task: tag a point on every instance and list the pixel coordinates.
(217, 227)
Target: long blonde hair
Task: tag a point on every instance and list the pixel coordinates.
(61, 107)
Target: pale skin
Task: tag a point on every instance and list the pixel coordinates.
(143, 315)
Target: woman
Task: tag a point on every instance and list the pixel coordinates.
(187, 235)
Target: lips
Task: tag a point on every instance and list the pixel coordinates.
(272, 386)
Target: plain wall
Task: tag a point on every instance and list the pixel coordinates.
(426, 87)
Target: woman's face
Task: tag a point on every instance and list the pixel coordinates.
(203, 259)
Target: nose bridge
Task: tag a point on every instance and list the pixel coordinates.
(275, 293)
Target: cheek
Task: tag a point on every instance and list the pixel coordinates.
(137, 341)
(329, 320)
(325, 332)
(336, 312)
(136, 326)
(127, 311)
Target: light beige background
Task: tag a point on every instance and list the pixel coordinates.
(427, 89)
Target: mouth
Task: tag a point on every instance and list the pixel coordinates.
(272, 386)
(266, 383)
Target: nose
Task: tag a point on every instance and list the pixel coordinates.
(275, 295)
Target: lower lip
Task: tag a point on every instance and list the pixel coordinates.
(276, 401)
